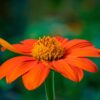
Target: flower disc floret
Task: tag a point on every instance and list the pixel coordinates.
(47, 48)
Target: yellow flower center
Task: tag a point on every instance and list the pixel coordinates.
(47, 48)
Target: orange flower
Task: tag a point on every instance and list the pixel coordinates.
(68, 57)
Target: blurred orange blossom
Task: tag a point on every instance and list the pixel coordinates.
(38, 57)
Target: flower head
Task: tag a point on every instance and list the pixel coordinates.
(47, 48)
(38, 57)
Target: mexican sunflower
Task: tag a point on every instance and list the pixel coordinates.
(38, 57)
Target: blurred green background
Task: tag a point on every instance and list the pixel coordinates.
(23, 19)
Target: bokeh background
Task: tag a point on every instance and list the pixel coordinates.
(23, 19)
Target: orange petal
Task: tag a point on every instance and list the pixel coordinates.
(28, 42)
(36, 76)
(79, 72)
(25, 46)
(65, 69)
(83, 63)
(8, 46)
(62, 40)
(77, 43)
(12, 63)
(19, 70)
(84, 52)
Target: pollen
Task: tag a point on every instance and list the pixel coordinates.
(48, 49)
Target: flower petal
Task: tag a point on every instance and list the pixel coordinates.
(28, 42)
(65, 69)
(11, 64)
(83, 63)
(36, 76)
(84, 52)
(77, 43)
(19, 70)
(25, 46)
(79, 72)
(62, 40)
(8, 46)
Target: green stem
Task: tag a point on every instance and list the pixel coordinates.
(49, 87)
